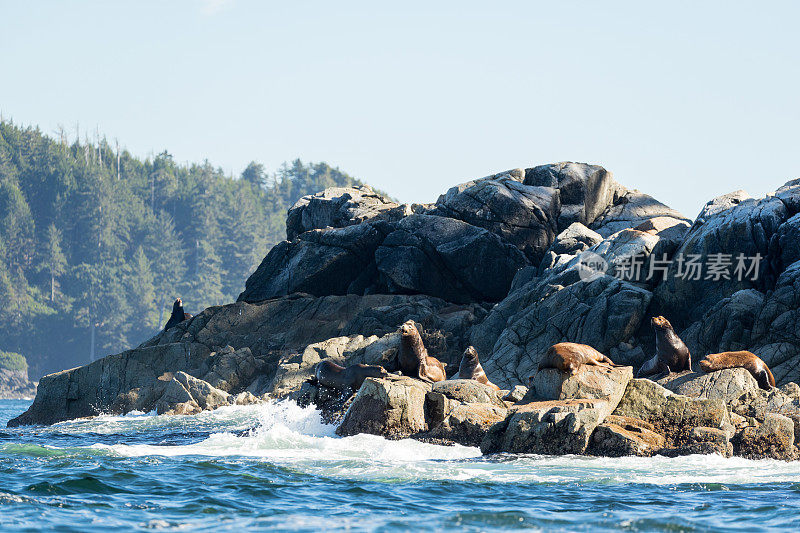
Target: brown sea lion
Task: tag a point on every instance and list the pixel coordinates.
(329, 374)
(672, 355)
(178, 315)
(743, 359)
(470, 368)
(571, 356)
(414, 359)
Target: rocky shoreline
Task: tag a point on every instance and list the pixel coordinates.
(497, 263)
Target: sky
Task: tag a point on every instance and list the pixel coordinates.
(684, 100)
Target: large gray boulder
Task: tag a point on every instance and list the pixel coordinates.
(338, 207)
(585, 191)
(521, 214)
(670, 414)
(391, 407)
(554, 428)
(319, 262)
(728, 384)
(633, 208)
(468, 391)
(447, 258)
(467, 423)
(620, 436)
(589, 383)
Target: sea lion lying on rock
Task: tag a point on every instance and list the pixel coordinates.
(329, 374)
(571, 356)
(414, 359)
(742, 359)
(672, 355)
(178, 315)
(470, 368)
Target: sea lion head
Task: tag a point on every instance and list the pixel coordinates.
(408, 328)
(177, 305)
(659, 322)
(470, 354)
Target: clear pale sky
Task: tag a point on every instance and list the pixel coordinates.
(685, 101)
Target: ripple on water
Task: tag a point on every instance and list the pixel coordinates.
(279, 466)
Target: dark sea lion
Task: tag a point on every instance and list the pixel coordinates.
(178, 315)
(571, 356)
(413, 358)
(470, 368)
(742, 359)
(329, 374)
(672, 355)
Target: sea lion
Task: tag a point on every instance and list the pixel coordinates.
(742, 359)
(329, 374)
(414, 359)
(470, 368)
(672, 355)
(178, 315)
(571, 356)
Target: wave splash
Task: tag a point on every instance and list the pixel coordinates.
(287, 435)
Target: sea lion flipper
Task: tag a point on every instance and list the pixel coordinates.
(763, 380)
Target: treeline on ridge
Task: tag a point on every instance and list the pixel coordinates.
(95, 243)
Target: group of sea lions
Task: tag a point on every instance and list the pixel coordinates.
(671, 355)
(413, 360)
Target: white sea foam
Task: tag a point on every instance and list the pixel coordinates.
(284, 434)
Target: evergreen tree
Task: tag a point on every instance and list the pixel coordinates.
(54, 259)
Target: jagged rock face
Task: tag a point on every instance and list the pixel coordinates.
(320, 262)
(554, 427)
(239, 346)
(602, 313)
(422, 254)
(447, 258)
(747, 229)
(338, 207)
(585, 191)
(525, 216)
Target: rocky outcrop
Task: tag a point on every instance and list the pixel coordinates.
(619, 436)
(728, 384)
(590, 383)
(241, 347)
(511, 263)
(553, 427)
(672, 415)
(339, 207)
(523, 215)
(392, 407)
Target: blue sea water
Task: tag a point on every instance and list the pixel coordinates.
(278, 467)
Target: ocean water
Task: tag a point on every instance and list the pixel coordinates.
(278, 467)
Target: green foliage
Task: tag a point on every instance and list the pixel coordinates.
(90, 251)
(12, 361)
